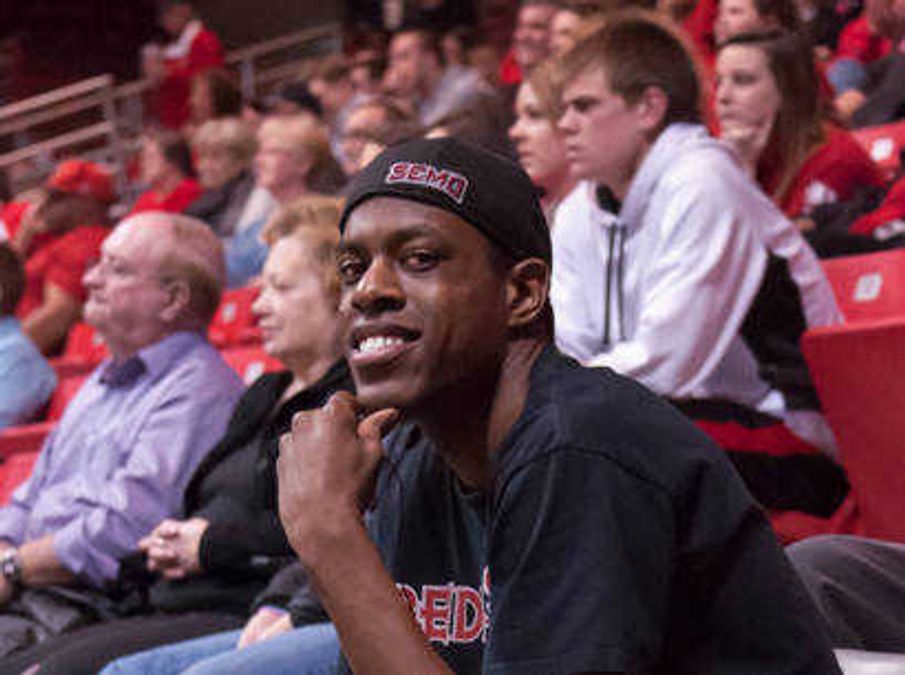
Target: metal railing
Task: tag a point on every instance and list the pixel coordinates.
(99, 120)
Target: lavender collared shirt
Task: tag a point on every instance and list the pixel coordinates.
(120, 458)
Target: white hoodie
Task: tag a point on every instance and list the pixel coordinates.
(685, 258)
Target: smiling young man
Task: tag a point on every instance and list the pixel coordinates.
(531, 515)
(673, 268)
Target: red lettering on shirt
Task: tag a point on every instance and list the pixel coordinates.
(469, 618)
(436, 611)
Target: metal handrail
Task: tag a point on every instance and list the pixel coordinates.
(45, 100)
(63, 140)
(120, 103)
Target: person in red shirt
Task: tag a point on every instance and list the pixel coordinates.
(768, 104)
(59, 240)
(166, 168)
(194, 49)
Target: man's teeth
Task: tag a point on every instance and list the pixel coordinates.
(373, 344)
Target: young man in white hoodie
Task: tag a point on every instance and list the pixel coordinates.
(671, 267)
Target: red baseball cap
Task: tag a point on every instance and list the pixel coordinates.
(80, 177)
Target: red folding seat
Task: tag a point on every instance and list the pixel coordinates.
(859, 372)
(84, 350)
(884, 144)
(66, 389)
(250, 362)
(234, 323)
(14, 470)
(869, 286)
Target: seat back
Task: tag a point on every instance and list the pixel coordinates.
(870, 286)
(66, 389)
(234, 323)
(859, 372)
(84, 345)
(250, 362)
(884, 144)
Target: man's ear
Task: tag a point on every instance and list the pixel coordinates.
(527, 289)
(651, 107)
(178, 296)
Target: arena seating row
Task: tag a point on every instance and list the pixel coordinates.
(859, 372)
(858, 369)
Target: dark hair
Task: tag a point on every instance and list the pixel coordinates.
(226, 98)
(430, 40)
(175, 150)
(638, 49)
(798, 127)
(12, 279)
(784, 11)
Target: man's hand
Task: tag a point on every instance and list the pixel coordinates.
(266, 623)
(847, 103)
(173, 547)
(326, 469)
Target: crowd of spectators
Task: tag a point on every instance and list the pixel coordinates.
(692, 162)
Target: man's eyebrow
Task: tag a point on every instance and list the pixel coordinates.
(396, 239)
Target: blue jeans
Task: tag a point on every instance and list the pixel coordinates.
(311, 650)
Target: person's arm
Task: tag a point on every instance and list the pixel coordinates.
(48, 325)
(326, 466)
(184, 423)
(26, 383)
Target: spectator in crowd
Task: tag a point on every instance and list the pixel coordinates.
(171, 68)
(58, 240)
(330, 80)
(118, 461)
(858, 584)
(167, 173)
(446, 319)
(881, 99)
(751, 16)
(224, 150)
(26, 379)
(468, 47)
(210, 564)
(705, 288)
(539, 143)
(293, 159)
(573, 21)
(294, 98)
(768, 106)
(859, 44)
(373, 125)
(418, 75)
(214, 94)
(530, 41)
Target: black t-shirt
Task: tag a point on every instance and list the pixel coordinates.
(616, 538)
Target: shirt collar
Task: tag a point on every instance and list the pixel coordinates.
(153, 359)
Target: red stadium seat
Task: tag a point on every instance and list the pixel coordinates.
(84, 350)
(251, 362)
(234, 323)
(19, 448)
(859, 372)
(66, 389)
(870, 286)
(883, 144)
(14, 470)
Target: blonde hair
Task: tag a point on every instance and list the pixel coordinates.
(302, 134)
(314, 221)
(227, 134)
